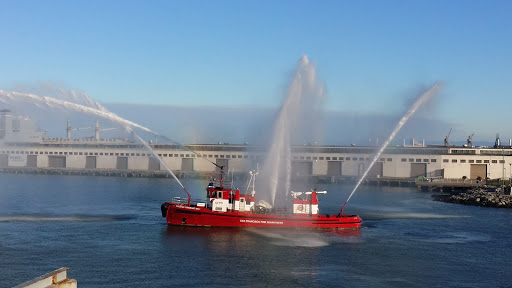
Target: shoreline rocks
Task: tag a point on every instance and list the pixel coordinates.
(478, 197)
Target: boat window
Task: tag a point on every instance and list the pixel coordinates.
(248, 202)
(214, 194)
(220, 195)
(242, 199)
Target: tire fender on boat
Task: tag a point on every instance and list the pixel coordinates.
(164, 209)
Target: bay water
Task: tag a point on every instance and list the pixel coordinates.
(110, 232)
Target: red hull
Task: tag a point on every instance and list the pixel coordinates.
(184, 215)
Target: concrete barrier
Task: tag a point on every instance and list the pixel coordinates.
(54, 279)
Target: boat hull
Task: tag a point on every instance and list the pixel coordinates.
(183, 215)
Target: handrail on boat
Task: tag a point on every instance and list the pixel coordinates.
(190, 202)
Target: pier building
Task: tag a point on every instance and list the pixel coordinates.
(21, 147)
(330, 161)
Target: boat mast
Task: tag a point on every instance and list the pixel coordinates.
(221, 173)
(253, 180)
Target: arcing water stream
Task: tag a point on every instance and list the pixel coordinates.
(12, 96)
(422, 99)
(304, 92)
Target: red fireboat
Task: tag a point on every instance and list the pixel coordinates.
(227, 207)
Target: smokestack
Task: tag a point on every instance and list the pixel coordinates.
(423, 142)
(68, 130)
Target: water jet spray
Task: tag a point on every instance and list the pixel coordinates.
(11, 96)
(304, 92)
(420, 101)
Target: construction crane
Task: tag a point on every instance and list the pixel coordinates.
(69, 129)
(97, 130)
(447, 138)
(470, 140)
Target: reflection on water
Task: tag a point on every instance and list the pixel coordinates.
(279, 237)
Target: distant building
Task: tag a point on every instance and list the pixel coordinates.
(18, 129)
(21, 146)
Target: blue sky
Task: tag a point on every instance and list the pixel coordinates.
(373, 56)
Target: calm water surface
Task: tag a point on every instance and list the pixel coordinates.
(109, 231)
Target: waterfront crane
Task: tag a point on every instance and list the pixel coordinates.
(447, 138)
(98, 129)
(69, 129)
(470, 140)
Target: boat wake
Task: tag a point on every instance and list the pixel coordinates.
(62, 218)
(408, 215)
(292, 238)
(454, 238)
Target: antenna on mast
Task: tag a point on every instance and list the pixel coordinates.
(252, 181)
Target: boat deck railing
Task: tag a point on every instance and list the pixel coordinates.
(193, 202)
(225, 184)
